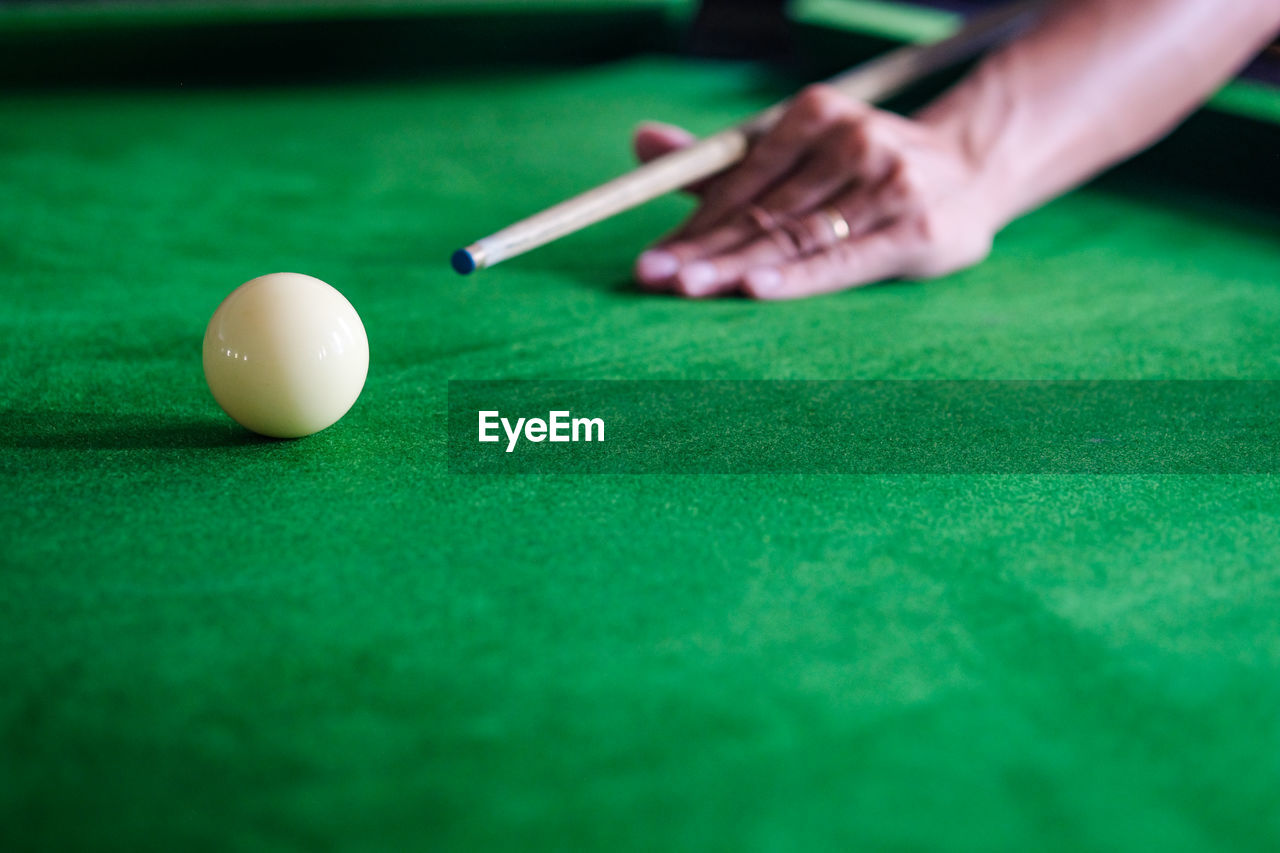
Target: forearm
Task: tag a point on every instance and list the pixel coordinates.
(1097, 81)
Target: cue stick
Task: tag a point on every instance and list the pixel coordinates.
(870, 82)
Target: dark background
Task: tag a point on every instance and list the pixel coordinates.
(373, 44)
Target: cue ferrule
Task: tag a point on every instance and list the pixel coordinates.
(468, 260)
(870, 82)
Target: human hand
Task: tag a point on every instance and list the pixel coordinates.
(836, 195)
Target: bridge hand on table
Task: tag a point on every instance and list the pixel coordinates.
(836, 195)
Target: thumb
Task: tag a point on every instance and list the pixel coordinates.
(652, 140)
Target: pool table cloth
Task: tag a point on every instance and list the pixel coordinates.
(208, 640)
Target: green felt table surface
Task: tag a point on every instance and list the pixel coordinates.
(213, 641)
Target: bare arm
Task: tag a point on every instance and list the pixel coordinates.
(1097, 81)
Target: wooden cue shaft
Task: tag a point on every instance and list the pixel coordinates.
(871, 82)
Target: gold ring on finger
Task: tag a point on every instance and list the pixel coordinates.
(839, 225)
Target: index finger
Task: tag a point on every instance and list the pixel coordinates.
(778, 151)
(878, 256)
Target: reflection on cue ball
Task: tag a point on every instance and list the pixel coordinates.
(285, 355)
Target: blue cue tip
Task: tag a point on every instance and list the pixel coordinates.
(463, 262)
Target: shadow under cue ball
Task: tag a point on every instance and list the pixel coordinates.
(285, 355)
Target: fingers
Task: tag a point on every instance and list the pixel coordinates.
(817, 205)
(653, 139)
(672, 265)
(682, 265)
(711, 264)
(877, 256)
(774, 155)
(853, 151)
(852, 159)
(723, 274)
(862, 209)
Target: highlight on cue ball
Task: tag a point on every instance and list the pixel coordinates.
(285, 355)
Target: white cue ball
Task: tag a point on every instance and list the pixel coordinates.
(285, 355)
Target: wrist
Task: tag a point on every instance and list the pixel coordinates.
(989, 175)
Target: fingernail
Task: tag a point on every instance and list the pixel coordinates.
(699, 277)
(763, 281)
(656, 265)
